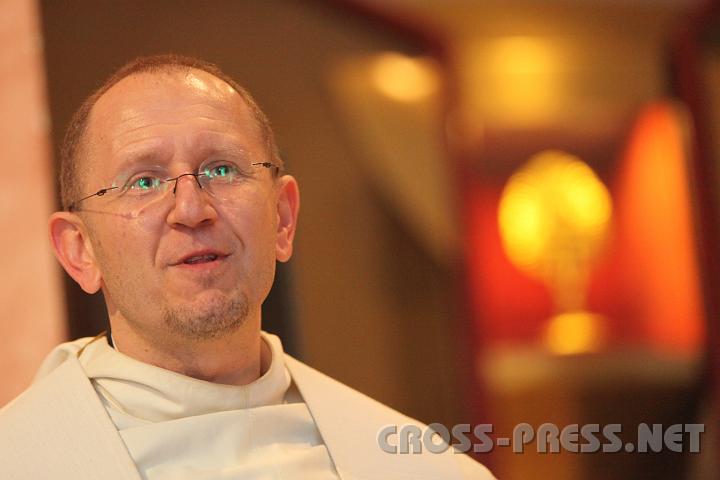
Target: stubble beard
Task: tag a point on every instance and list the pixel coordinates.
(216, 318)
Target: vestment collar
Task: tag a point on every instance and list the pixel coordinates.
(155, 394)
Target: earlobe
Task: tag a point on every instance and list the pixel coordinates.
(287, 211)
(73, 250)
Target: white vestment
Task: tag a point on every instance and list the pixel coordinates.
(85, 418)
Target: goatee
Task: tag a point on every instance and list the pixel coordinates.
(213, 319)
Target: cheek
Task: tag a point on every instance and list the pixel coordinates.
(121, 251)
(251, 219)
(254, 228)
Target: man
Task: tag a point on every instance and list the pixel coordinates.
(176, 208)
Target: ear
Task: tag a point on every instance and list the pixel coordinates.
(73, 250)
(288, 205)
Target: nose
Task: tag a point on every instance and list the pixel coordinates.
(192, 207)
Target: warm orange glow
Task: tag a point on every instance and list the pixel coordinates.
(574, 332)
(403, 78)
(658, 232)
(553, 216)
(495, 284)
(517, 80)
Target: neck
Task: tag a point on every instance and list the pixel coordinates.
(237, 358)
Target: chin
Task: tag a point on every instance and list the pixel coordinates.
(208, 317)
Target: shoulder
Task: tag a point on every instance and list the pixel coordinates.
(59, 429)
(59, 355)
(49, 380)
(312, 381)
(354, 425)
(30, 420)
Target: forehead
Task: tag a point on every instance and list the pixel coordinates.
(146, 109)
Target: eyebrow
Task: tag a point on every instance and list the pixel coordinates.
(144, 153)
(148, 158)
(143, 158)
(229, 150)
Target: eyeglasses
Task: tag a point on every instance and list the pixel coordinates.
(132, 193)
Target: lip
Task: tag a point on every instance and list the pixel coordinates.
(199, 253)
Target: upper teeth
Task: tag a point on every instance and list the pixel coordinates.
(201, 258)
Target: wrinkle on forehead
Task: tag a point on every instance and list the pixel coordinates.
(214, 106)
(202, 145)
(128, 115)
(207, 139)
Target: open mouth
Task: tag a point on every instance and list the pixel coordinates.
(200, 259)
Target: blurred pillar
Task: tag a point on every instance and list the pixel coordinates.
(32, 320)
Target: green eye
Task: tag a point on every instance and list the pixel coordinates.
(223, 172)
(144, 184)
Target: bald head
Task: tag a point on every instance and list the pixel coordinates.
(74, 147)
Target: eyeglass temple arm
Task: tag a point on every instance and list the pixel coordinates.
(73, 206)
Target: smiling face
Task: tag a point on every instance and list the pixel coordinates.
(191, 265)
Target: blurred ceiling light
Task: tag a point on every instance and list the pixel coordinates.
(404, 78)
(521, 56)
(518, 79)
(574, 332)
(553, 217)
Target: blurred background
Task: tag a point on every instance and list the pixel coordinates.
(510, 208)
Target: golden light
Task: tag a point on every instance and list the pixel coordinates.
(574, 332)
(524, 223)
(518, 79)
(553, 217)
(404, 78)
(586, 202)
(522, 56)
